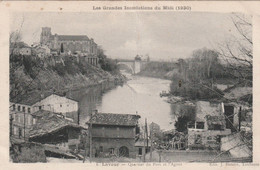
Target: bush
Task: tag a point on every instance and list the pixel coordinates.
(195, 90)
(60, 69)
(181, 123)
(28, 153)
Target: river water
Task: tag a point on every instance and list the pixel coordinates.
(140, 95)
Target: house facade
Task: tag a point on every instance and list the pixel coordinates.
(21, 120)
(21, 111)
(142, 146)
(45, 101)
(41, 51)
(209, 126)
(114, 134)
(57, 104)
(20, 124)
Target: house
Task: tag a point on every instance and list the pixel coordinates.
(209, 126)
(56, 103)
(142, 146)
(20, 48)
(113, 134)
(21, 120)
(52, 130)
(20, 124)
(42, 51)
(32, 102)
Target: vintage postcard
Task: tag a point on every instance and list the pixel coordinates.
(133, 84)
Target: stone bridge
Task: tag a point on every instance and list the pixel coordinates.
(134, 65)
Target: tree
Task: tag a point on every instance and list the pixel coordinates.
(181, 123)
(237, 50)
(61, 48)
(203, 63)
(15, 36)
(107, 64)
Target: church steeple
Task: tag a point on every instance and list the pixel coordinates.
(45, 35)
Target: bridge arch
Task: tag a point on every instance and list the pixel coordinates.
(134, 65)
(129, 65)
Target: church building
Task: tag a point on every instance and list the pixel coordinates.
(70, 44)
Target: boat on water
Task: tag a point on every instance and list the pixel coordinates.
(164, 94)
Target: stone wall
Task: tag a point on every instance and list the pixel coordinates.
(107, 143)
(204, 139)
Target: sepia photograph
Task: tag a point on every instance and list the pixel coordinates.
(134, 87)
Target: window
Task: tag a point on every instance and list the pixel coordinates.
(191, 124)
(34, 121)
(20, 132)
(40, 107)
(209, 138)
(111, 150)
(29, 120)
(14, 107)
(15, 130)
(15, 118)
(61, 105)
(198, 139)
(29, 110)
(19, 108)
(23, 109)
(18, 118)
(22, 119)
(200, 125)
(140, 151)
(101, 148)
(218, 139)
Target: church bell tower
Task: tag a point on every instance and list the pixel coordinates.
(45, 35)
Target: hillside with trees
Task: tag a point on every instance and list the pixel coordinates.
(58, 73)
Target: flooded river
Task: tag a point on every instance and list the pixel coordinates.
(140, 95)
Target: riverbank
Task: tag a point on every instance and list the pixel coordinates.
(157, 69)
(27, 76)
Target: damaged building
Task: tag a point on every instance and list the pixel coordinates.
(211, 123)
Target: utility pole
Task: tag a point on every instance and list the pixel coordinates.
(90, 137)
(145, 138)
(24, 125)
(85, 148)
(151, 139)
(144, 147)
(146, 131)
(239, 119)
(90, 140)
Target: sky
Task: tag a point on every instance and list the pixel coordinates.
(163, 36)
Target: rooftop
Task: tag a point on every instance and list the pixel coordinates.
(115, 119)
(71, 37)
(49, 122)
(31, 98)
(34, 97)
